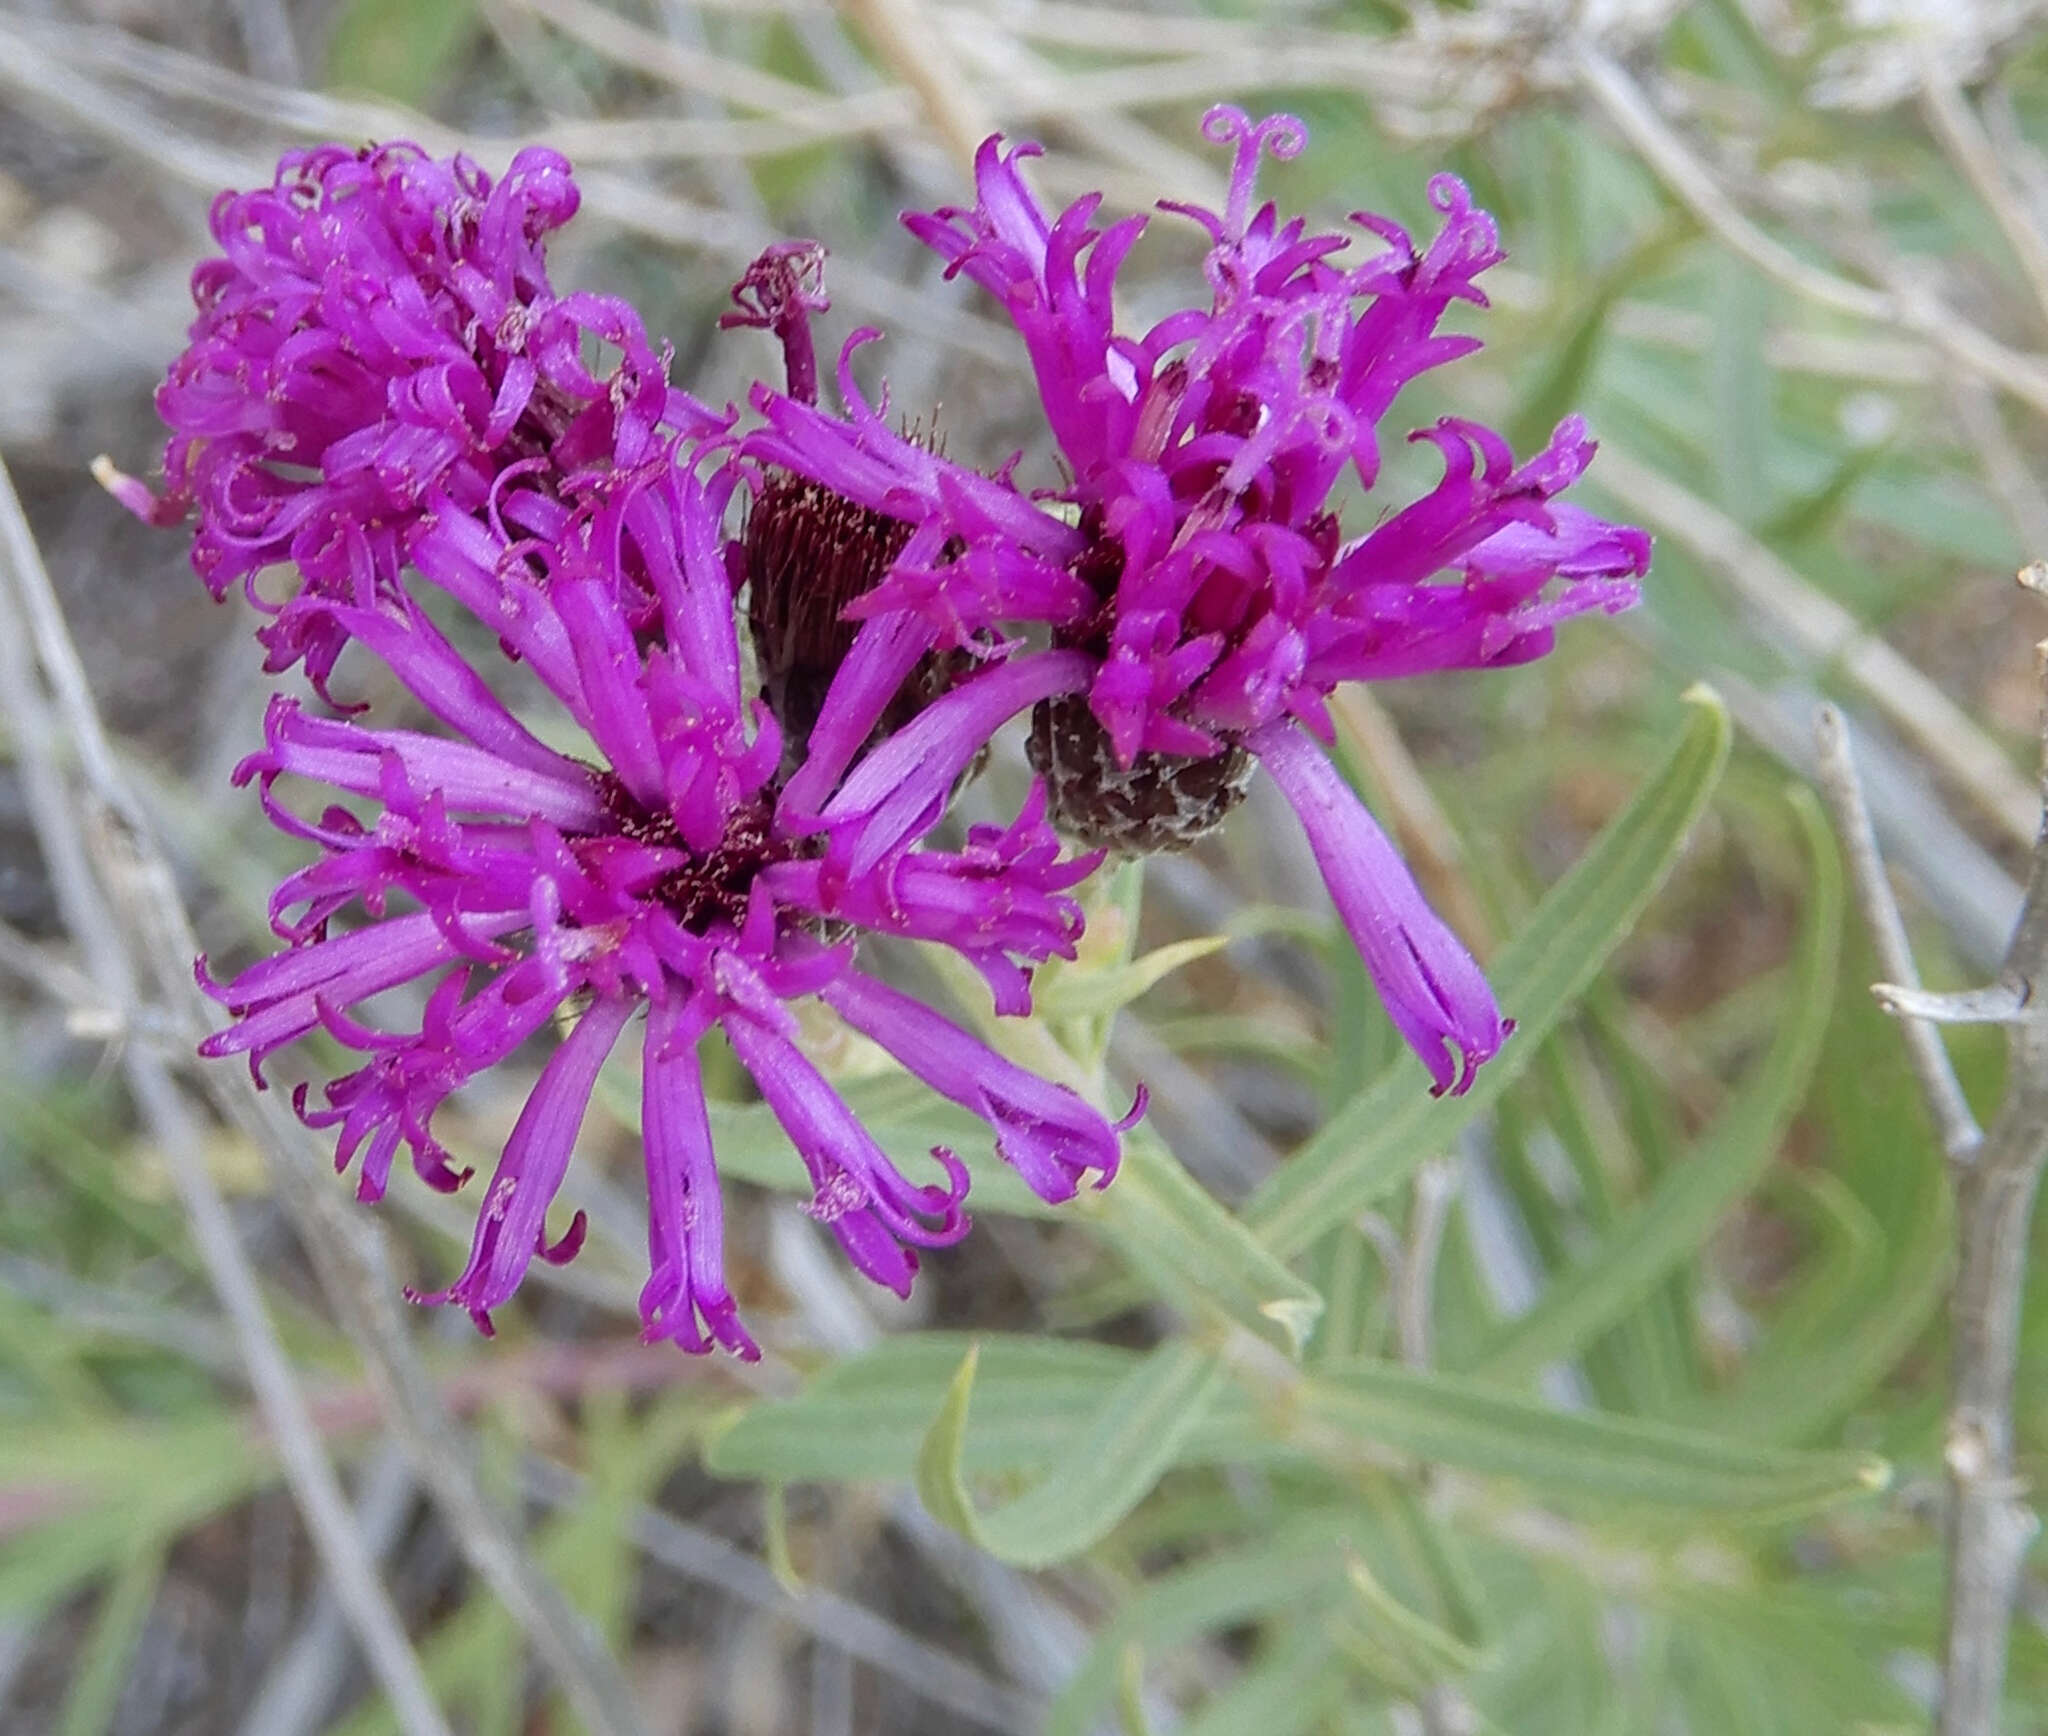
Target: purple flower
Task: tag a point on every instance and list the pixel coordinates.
(1202, 597)
(526, 887)
(380, 331)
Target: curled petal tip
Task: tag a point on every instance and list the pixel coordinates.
(1141, 1100)
(560, 1253)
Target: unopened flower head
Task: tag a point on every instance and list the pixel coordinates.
(1202, 595)
(380, 328)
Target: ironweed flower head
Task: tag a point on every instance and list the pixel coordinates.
(384, 390)
(1202, 595)
(379, 329)
(528, 887)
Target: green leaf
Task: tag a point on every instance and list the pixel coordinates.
(114, 1457)
(402, 49)
(1196, 1253)
(95, 1691)
(865, 1419)
(50, 1354)
(596, 1565)
(1561, 388)
(1645, 1687)
(1800, 1382)
(1802, 1666)
(1816, 512)
(1082, 994)
(1163, 1221)
(1105, 1471)
(1366, 1409)
(1433, 1564)
(775, 1539)
(1674, 1222)
(1948, 514)
(1130, 1693)
(1399, 1646)
(1298, 1681)
(1740, 383)
(1245, 1034)
(1076, 1000)
(1180, 1240)
(1376, 1141)
(1604, 1139)
(1299, 1560)
(155, 1504)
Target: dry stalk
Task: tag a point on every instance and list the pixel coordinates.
(42, 64)
(1814, 626)
(77, 879)
(1990, 1525)
(908, 40)
(1697, 187)
(1961, 135)
(139, 919)
(1996, 1179)
(1843, 790)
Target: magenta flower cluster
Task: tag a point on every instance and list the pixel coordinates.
(1202, 597)
(384, 391)
(379, 327)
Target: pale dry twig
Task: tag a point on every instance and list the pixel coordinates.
(1996, 1179)
(1697, 187)
(141, 908)
(1817, 628)
(75, 870)
(1839, 783)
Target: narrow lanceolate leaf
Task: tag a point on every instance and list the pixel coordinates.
(1195, 1252)
(121, 1509)
(865, 1419)
(1370, 1409)
(1178, 1237)
(1561, 386)
(1075, 994)
(100, 1673)
(1673, 1223)
(1374, 1143)
(1294, 1685)
(1105, 1470)
(1830, 1347)
(1398, 1646)
(1298, 1562)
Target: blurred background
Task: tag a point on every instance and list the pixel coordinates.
(1787, 259)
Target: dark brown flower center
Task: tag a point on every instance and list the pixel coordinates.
(809, 552)
(708, 888)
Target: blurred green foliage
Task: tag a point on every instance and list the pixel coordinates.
(402, 49)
